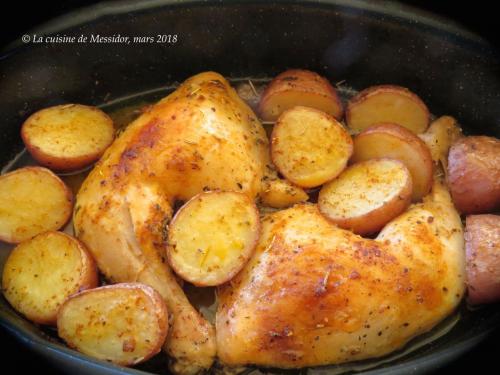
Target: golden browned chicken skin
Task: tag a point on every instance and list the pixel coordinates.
(314, 294)
(201, 137)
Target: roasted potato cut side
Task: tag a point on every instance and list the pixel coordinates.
(482, 247)
(299, 87)
(281, 194)
(442, 133)
(387, 103)
(396, 142)
(32, 200)
(123, 323)
(474, 174)
(67, 137)
(367, 195)
(42, 272)
(212, 236)
(309, 147)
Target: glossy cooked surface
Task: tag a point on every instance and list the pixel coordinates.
(67, 137)
(387, 103)
(32, 200)
(314, 294)
(367, 195)
(212, 236)
(122, 323)
(396, 142)
(200, 137)
(41, 273)
(299, 87)
(309, 147)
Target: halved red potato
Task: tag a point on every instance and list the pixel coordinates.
(309, 147)
(123, 323)
(482, 246)
(212, 236)
(32, 200)
(299, 87)
(396, 142)
(367, 195)
(67, 137)
(387, 103)
(474, 174)
(41, 273)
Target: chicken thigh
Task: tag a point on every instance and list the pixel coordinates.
(201, 137)
(314, 294)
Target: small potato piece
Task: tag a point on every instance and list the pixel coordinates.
(32, 200)
(482, 246)
(387, 103)
(282, 194)
(309, 147)
(42, 272)
(67, 137)
(299, 87)
(367, 195)
(212, 237)
(123, 323)
(395, 142)
(474, 174)
(442, 133)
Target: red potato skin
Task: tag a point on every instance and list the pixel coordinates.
(303, 81)
(58, 163)
(373, 221)
(401, 132)
(366, 93)
(474, 174)
(482, 246)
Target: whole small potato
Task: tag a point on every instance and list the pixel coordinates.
(474, 174)
(482, 245)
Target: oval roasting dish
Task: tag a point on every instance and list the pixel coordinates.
(353, 43)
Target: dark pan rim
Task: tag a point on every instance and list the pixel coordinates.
(389, 10)
(413, 16)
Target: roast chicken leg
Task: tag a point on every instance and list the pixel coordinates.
(202, 136)
(314, 294)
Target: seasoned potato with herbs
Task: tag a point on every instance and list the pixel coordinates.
(32, 200)
(282, 194)
(474, 174)
(212, 236)
(123, 323)
(396, 142)
(309, 147)
(482, 246)
(299, 87)
(442, 133)
(387, 103)
(67, 137)
(42, 272)
(367, 195)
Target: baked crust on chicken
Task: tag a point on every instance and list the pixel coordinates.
(314, 294)
(201, 137)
